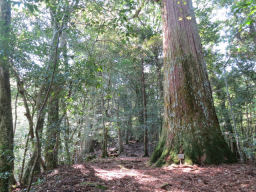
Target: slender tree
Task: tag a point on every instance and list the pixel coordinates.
(6, 127)
(53, 133)
(105, 131)
(144, 99)
(190, 122)
(119, 131)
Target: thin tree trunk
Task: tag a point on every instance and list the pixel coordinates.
(247, 113)
(226, 118)
(120, 140)
(139, 106)
(128, 129)
(36, 152)
(251, 121)
(67, 139)
(66, 120)
(105, 134)
(6, 124)
(232, 116)
(124, 99)
(144, 96)
(16, 113)
(24, 159)
(24, 178)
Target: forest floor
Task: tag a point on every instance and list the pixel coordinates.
(130, 174)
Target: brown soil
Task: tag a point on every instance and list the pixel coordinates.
(130, 174)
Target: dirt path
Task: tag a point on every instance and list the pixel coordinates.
(132, 174)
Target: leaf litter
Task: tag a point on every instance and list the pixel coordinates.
(131, 174)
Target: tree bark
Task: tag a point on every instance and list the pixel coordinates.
(52, 133)
(120, 140)
(105, 131)
(6, 126)
(67, 139)
(190, 122)
(128, 128)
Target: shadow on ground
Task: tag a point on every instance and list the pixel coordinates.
(132, 174)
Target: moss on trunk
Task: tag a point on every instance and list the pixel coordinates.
(199, 149)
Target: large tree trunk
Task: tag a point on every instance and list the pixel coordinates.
(6, 126)
(190, 122)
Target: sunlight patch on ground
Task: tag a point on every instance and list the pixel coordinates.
(183, 168)
(121, 173)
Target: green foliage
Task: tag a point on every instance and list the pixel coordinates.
(248, 6)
